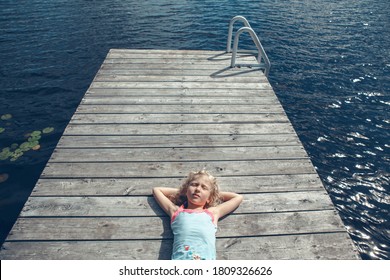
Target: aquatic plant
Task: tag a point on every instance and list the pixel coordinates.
(5, 153)
(15, 151)
(25, 146)
(36, 147)
(35, 136)
(36, 133)
(6, 117)
(48, 130)
(16, 154)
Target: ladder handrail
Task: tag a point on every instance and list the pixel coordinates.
(261, 56)
(230, 34)
(261, 53)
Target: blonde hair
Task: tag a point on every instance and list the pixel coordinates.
(214, 199)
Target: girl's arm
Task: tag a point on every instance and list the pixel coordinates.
(162, 197)
(230, 202)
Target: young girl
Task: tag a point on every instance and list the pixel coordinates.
(194, 210)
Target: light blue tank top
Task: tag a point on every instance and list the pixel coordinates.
(194, 234)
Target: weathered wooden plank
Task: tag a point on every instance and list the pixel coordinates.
(182, 109)
(203, 60)
(320, 246)
(158, 85)
(214, 67)
(214, 70)
(168, 169)
(179, 129)
(88, 250)
(143, 186)
(182, 92)
(210, 58)
(187, 60)
(187, 100)
(175, 141)
(146, 206)
(181, 55)
(175, 118)
(130, 228)
(168, 51)
(177, 154)
(212, 54)
(188, 57)
(182, 79)
(112, 69)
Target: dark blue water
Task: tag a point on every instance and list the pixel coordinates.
(330, 69)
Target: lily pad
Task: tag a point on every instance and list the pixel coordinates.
(48, 130)
(25, 146)
(36, 133)
(34, 138)
(7, 149)
(5, 153)
(14, 146)
(33, 143)
(6, 117)
(17, 154)
(3, 177)
(35, 148)
(2, 129)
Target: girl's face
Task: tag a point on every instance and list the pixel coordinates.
(198, 192)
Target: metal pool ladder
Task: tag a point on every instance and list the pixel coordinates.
(262, 58)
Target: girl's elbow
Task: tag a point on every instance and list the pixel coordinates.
(238, 198)
(155, 190)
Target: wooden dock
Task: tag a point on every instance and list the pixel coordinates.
(150, 117)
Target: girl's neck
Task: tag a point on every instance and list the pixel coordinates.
(191, 206)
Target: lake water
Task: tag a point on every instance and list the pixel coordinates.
(330, 69)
